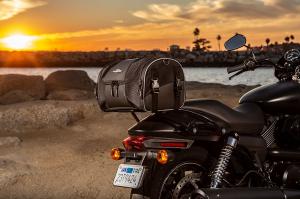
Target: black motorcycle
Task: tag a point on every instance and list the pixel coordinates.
(207, 150)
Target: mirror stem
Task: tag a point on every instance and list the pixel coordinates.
(251, 50)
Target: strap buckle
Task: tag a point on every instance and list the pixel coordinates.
(115, 89)
(155, 86)
(179, 86)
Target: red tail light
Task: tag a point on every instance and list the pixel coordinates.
(134, 142)
(173, 144)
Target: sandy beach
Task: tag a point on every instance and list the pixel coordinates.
(60, 149)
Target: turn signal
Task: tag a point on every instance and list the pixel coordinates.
(162, 156)
(116, 154)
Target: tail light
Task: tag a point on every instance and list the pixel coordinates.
(173, 144)
(134, 142)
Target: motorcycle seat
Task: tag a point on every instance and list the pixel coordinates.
(244, 119)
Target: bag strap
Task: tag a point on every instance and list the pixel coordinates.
(178, 88)
(155, 90)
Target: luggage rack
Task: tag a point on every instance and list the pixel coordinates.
(134, 115)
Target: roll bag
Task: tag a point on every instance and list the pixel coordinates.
(146, 84)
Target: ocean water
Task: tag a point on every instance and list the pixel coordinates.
(209, 75)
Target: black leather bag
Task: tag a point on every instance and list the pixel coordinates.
(139, 85)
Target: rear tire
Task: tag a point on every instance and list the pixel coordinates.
(164, 180)
(138, 196)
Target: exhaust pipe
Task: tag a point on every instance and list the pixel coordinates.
(246, 193)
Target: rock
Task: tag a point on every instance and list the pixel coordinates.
(11, 170)
(35, 115)
(19, 88)
(68, 80)
(9, 141)
(72, 94)
(16, 96)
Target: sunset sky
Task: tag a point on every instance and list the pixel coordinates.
(90, 25)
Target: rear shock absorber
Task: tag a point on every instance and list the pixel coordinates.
(225, 155)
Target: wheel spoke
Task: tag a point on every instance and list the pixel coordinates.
(194, 185)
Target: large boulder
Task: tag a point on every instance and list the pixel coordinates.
(16, 88)
(69, 85)
(28, 116)
(72, 94)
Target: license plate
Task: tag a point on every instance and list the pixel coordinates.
(129, 176)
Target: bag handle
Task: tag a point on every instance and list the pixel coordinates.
(107, 67)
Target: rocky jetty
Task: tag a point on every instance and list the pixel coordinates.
(19, 88)
(60, 85)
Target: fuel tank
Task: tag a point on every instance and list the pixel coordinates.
(278, 98)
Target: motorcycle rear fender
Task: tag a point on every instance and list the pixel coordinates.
(186, 125)
(177, 124)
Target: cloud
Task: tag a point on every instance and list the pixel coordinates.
(263, 9)
(290, 5)
(119, 21)
(10, 8)
(134, 32)
(167, 24)
(160, 12)
(217, 10)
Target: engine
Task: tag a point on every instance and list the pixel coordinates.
(286, 175)
(287, 132)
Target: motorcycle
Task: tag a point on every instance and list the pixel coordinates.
(207, 150)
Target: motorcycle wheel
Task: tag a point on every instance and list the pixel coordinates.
(179, 178)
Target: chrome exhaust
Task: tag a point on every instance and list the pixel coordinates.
(246, 193)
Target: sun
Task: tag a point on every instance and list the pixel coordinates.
(18, 41)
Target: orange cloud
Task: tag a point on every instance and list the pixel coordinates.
(10, 8)
(159, 12)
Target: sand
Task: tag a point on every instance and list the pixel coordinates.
(70, 160)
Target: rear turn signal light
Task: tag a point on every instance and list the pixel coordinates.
(116, 154)
(162, 156)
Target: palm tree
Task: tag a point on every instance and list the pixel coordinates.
(276, 43)
(292, 37)
(201, 44)
(204, 43)
(196, 33)
(219, 40)
(268, 41)
(196, 41)
(287, 39)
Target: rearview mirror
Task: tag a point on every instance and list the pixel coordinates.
(235, 42)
